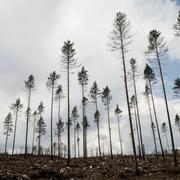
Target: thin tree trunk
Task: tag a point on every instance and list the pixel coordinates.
(138, 117)
(99, 143)
(167, 108)
(59, 110)
(39, 138)
(110, 141)
(154, 138)
(103, 148)
(86, 143)
(6, 144)
(59, 119)
(68, 98)
(27, 121)
(85, 132)
(137, 128)
(78, 143)
(64, 152)
(39, 145)
(14, 139)
(167, 141)
(83, 124)
(128, 104)
(84, 128)
(60, 151)
(52, 100)
(33, 135)
(120, 140)
(58, 146)
(155, 115)
(54, 150)
(74, 138)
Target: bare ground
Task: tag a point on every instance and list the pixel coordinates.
(34, 167)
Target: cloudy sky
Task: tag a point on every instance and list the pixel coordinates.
(32, 34)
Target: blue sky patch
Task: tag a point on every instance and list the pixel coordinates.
(178, 2)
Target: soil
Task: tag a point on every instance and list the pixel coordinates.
(120, 167)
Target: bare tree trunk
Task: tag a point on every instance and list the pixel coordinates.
(155, 145)
(60, 149)
(39, 139)
(27, 121)
(110, 141)
(120, 140)
(64, 152)
(54, 150)
(68, 98)
(86, 154)
(154, 138)
(39, 145)
(99, 143)
(84, 128)
(74, 139)
(128, 104)
(167, 108)
(52, 100)
(33, 136)
(138, 117)
(78, 143)
(85, 131)
(6, 144)
(167, 141)
(59, 110)
(137, 130)
(58, 146)
(14, 139)
(59, 119)
(155, 115)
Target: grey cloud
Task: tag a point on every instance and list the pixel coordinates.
(32, 33)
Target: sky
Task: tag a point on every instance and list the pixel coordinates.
(178, 2)
(32, 34)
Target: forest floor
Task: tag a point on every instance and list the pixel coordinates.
(120, 167)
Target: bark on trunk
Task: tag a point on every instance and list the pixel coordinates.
(154, 138)
(110, 141)
(99, 143)
(33, 136)
(27, 120)
(138, 116)
(14, 138)
(120, 140)
(128, 104)
(68, 98)
(52, 98)
(167, 108)
(137, 130)
(155, 115)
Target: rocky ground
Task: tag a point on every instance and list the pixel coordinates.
(33, 167)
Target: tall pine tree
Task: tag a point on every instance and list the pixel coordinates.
(157, 48)
(16, 108)
(83, 81)
(106, 99)
(120, 39)
(51, 84)
(68, 62)
(29, 85)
